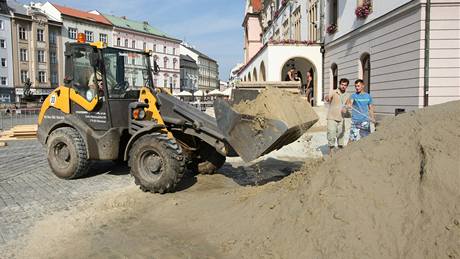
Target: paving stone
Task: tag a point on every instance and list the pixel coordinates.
(30, 191)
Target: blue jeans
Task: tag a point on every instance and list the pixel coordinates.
(359, 129)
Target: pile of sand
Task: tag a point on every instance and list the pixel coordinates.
(394, 194)
(275, 103)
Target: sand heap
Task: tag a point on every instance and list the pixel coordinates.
(394, 194)
(275, 103)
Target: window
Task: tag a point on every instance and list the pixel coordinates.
(165, 62)
(164, 49)
(366, 71)
(2, 44)
(23, 54)
(53, 58)
(22, 33)
(174, 51)
(335, 76)
(165, 83)
(2, 25)
(41, 77)
(41, 56)
(89, 36)
(333, 12)
(145, 46)
(53, 37)
(313, 32)
(40, 33)
(73, 33)
(24, 76)
(3, 61)
(54, 78)
(133, 44)
(174, 63)
(118, 42)
(126, 43)
(103, 37)
(3, 80)
(154, 47)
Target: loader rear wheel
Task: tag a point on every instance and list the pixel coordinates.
(157, 163)
(67, 154)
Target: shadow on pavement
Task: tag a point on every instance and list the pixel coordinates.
(107, 167)
(260, 173)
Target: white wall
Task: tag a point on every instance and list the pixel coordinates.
(347, 20)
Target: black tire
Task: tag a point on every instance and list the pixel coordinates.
(157, 163)
(67, 154)
(209, 161)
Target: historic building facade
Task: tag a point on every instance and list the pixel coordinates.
(407, 52)
(142, 36)
(208, 68)
(37, 51)
(6, 55)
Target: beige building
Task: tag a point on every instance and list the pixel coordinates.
(37, 52)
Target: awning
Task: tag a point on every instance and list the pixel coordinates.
(183, 94)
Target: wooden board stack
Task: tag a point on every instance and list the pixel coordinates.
(19, 132)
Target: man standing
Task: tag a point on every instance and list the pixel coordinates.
(362, 112)
(338, 116)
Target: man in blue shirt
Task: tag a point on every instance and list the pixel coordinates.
(362, 114)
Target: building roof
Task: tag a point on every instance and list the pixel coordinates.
(187, 61)
(81, 14)
(143, 27)
(199, 53)
(256, 5)
(16, 7)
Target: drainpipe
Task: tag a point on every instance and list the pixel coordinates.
(426, 83)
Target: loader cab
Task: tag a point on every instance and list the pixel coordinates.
(113, 76)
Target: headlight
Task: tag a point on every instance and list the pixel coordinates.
(138, 114)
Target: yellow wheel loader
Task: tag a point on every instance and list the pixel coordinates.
(109, 109)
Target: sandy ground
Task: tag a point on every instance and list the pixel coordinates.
(392, 195)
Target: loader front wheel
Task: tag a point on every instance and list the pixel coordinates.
(157, 163)
(67, 154)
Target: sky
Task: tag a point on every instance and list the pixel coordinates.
(211, 26)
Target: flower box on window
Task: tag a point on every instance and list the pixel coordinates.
(277, 13)
(331, 29)
(364, 10)
(284, 2)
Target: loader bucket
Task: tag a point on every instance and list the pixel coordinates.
(255, 128)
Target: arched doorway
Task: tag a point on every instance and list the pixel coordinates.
(262, 72)
(254, 75)
(366, 71)
(303, 67)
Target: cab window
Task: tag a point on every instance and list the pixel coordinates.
(86, 80)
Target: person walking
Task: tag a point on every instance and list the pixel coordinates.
(338, 116)
(362, 108)
(309, 87)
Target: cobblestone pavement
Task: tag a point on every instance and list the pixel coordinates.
(29, 190)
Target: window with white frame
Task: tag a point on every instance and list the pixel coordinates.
(53, 57)
(174, 51)
(154, 47)
(41, 77)
(103, 37)
(165, 83)
(40, 33)
(145, 46)
(3, 80)
(118, 41)
(133, 44)
(333, 12)
(89, 36)
(22, 33)
(23, 54)
(2, 25)
(41, 56)
(73, 33)
(164, 49)
(126, 43)
(3, 61)
(24, 76)
(3, 44)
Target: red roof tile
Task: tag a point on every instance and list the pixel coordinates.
(82, 14)
(256, 5)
